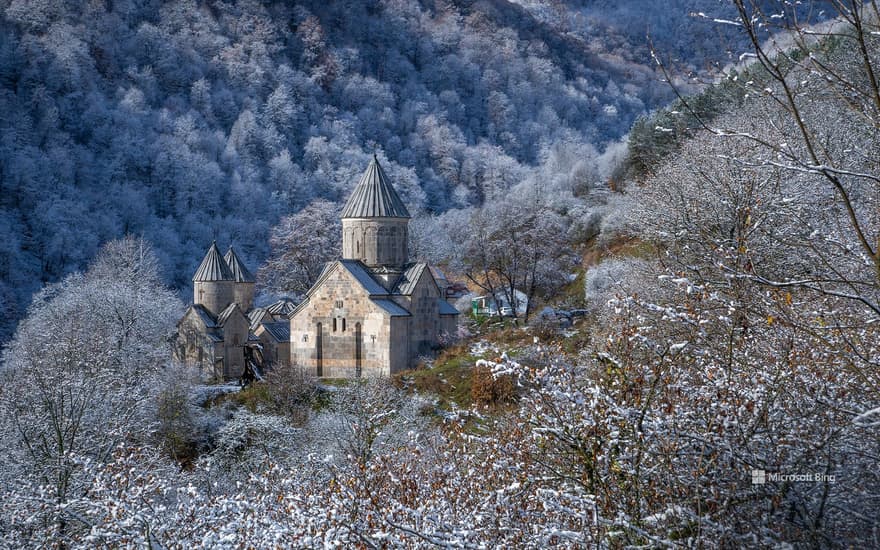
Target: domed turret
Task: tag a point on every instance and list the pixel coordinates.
(213, 282)
(374, 222)
(243, 291)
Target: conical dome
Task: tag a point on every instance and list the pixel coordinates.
(213, 267)
(374, 197)
(240, 273)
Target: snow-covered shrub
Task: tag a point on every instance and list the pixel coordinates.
(612, 276)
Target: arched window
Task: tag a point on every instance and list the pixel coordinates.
(334, 324)
(343, 324)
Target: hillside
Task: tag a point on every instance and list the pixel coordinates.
(709, 380)
(188, 121)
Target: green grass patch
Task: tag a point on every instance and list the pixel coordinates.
(636, 248)
(449, 378)
(255, 397)
(335, 382)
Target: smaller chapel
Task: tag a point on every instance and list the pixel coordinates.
(373, 312)
(221, 332)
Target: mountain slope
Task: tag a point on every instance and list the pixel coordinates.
(187, 121)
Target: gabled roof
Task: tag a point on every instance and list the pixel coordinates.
(374, 196)
(282, 307)
(406, 284)
(391, 307)
(204, 315)
(255, 316)
(227, 313)
(240, 273)
(437, 274)
(357, 270)
(279, 330)
(213, 267)
(445, 308)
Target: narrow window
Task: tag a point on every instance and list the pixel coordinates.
(334, 324)
(343, 324)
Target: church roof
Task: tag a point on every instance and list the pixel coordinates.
(374, 196)
(406, 284)
(226, 314)
(445, 308)
(279, 330)
(255, 316)
(240, 273)
(391, 307)
(282, 307)
(213, 267)
(204, 315)
(356, 268)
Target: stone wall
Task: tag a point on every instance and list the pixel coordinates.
(243, 295)
(274, 352)
(235, 335)
(375, 241)
(425, 323)
(214, 295)
(354, 335)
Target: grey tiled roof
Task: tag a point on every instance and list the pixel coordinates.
(279, 330)
(356, 268)
(255, 316)
(205, 315)
(374, 196)
(213, 267)
(282, 307)
(445, 308)
(406, 284)
(226, 314)
(240, 273)
(391, 307)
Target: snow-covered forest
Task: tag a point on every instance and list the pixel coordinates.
(700, 365)
(187, 121)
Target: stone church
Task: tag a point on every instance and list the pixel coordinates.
(221, 331)
(373, 312)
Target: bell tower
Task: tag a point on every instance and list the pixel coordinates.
(375, 222)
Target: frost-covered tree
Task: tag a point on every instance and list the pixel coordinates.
(301, 245)
(515, 244)
(84, 366)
